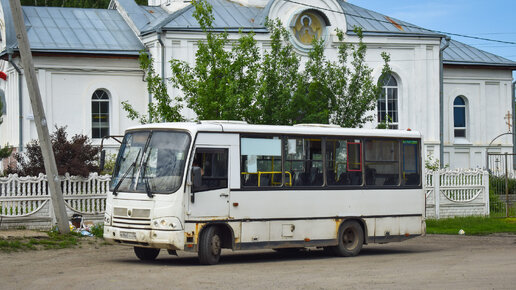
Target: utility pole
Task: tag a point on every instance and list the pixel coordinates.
(39, 117)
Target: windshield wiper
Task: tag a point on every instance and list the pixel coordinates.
(117, 186)
(146, 180)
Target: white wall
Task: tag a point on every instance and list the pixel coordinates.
(66, 85)
(488, 94)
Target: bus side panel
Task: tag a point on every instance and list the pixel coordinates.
(316, 215)
(411, 226)
(312, 204)
(255, 232)
(389, 226)
(304, 230)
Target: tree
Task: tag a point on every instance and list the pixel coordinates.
(163, 109)
(222, 83)
(240, 84)
(279, 79)
(76, 156)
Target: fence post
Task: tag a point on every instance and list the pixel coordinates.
(46, 193)
(437, 193)
(486, 192)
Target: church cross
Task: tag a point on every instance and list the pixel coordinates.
(508, 117)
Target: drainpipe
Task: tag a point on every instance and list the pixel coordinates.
(441, 101)
(159, 31)
(20, 100)
(513, 104)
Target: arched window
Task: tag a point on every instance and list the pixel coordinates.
(388, 102)
(99, 114)
(459, 117)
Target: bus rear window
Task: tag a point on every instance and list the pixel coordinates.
(411, 174)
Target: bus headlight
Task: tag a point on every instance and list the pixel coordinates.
(107, 219)
(166, 223)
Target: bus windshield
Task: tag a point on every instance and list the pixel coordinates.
(151, 162)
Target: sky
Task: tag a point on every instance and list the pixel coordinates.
(494, 19)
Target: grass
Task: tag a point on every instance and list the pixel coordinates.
(473, 225)
(54, 240)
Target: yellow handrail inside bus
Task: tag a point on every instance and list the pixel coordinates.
(259, 173)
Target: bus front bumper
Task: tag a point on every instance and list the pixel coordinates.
(172, 240)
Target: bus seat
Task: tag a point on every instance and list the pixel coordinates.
(355, 177)
(251, 180)
(370, 176)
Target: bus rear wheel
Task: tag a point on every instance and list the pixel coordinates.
(350, 239)
(146, 254)
(210, 245)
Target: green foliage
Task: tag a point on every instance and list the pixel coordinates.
(163, 109)
(355, 91)
(222, 83)
(6, 151)
(497, 203)
(431, 163)
(472, 225)
(279, 78)
(76, 156)
(109, 164)
(231, 80)
(55, 240)
(98, 230)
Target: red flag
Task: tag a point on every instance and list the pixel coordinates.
(3, 76)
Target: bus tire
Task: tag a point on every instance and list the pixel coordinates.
(210, 245)
(146, 254)
(350, 239)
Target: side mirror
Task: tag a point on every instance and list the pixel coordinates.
(102, 161)
(196, 180)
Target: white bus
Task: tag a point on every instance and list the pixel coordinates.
(210, 185)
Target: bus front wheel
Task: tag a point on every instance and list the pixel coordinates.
(210, 244)
(350, 239)
(146, 254)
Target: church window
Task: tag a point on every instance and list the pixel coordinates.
(388, 102)
(459, 117)
(100, 114)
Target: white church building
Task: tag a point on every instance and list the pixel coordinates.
(458, 96)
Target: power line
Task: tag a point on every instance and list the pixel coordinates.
(405, 24)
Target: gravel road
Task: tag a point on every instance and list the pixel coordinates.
(434, 261)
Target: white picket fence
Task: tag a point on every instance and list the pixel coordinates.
(25, 201)
(456, 193)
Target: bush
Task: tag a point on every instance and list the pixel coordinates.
(76, 156)
(497, 203)
(109, 164)
(98, 230)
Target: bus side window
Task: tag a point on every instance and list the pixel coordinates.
(260, 162)
(411, 175)
(382, 162)
(214, 168)
(303, 162)
(344, 162)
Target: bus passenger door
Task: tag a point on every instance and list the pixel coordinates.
(211, 197)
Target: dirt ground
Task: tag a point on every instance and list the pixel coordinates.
(434, 261)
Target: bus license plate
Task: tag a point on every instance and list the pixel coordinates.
(128, 235)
